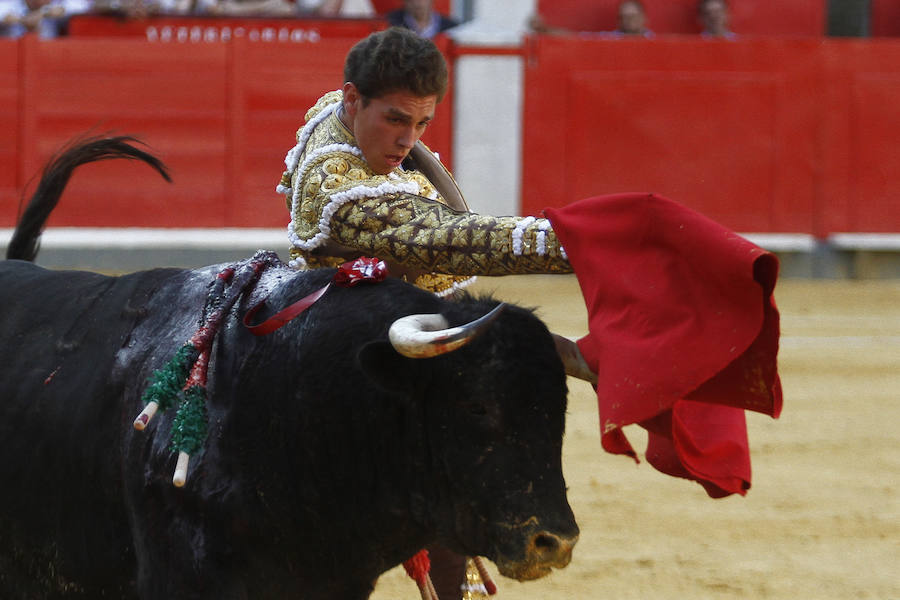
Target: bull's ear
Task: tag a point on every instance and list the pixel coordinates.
(386, 368)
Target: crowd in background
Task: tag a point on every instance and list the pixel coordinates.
(632, 20)
(48, 17)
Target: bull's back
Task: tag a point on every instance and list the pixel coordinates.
(62, 332)
(61, 416)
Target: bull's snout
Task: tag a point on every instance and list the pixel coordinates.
(544, 551)
(552, 549)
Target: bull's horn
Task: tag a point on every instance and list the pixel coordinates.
(424, 336)
(573, 360)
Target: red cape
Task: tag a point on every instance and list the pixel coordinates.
(683, 332)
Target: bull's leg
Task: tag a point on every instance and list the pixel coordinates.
(448, 572)
(174, 558)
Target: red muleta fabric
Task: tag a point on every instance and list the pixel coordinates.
(683, 332)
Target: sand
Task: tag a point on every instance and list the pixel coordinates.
(822, 519)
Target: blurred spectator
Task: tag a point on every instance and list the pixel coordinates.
(321, 8)
(47, 18)
(420, 16)
(714, 17)
(251, 8)
(631, 20)
(271, 8)
(537, 24)
(140, 9)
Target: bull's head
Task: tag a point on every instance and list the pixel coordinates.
(518, 424)
(425, 336)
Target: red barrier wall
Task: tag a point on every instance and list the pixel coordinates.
(766, 135)
(760, 17)
(10, 181)
(221, 115)
(859, 162)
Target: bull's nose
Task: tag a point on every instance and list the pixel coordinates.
(548, 548)
(544, 550)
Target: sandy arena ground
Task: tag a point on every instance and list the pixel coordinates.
(822, 520)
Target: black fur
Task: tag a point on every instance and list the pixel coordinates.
(329, 460)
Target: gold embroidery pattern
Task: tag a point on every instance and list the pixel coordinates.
(432, 237)
(317, 262)
(321, 103)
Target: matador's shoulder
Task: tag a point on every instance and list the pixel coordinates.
(329, 98)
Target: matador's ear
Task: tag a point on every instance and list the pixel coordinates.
(352, 98)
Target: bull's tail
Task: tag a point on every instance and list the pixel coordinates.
(24, 242)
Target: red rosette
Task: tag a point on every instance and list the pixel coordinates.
(362, 269)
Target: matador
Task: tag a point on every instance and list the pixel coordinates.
(341, 209)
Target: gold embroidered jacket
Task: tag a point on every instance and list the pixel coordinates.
(340, 209)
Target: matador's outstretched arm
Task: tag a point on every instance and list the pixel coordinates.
(423, 234)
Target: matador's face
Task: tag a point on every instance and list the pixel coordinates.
(386, 128)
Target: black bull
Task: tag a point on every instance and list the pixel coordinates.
(330, 458)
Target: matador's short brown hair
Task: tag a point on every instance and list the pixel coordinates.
(396, 59)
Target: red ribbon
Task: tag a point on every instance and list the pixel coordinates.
(348, 274)
(283, 316)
